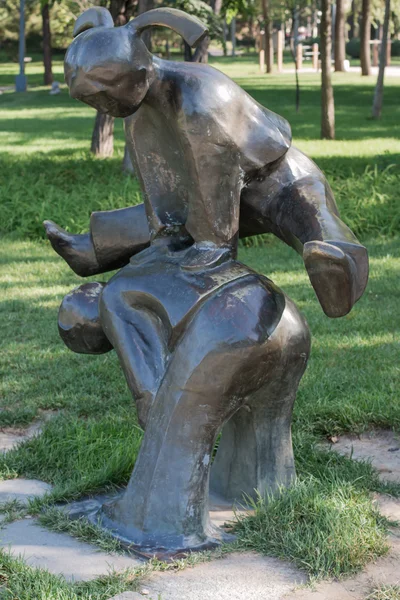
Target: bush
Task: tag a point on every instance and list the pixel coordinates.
(353, 48)
(395, 48)
(312, 40)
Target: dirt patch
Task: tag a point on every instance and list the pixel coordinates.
(381, 448)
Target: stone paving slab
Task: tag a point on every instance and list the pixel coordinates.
(22, 490)
(60, 553)
(11, 437)
(238, 576)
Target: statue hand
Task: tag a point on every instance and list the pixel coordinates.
(338, 272)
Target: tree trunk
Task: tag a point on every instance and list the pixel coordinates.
(216, 6)
(327, 101)
(378, 96)
(201, 53)
(127, 165)
(365, 53)
(233, 36)
(340, 43)
(48, 72)
(103, 136)
(144, 6)
(187, 52)
(121, 11)
(352, 20)
(294, 42)
(269, 58)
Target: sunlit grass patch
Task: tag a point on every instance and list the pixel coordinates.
(79, 456)
(18, 580)
(329, 530)
(385, 592)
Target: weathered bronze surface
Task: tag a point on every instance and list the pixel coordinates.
(205, 343)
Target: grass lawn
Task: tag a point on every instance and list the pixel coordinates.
(352, 381)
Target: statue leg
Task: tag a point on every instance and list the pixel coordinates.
(139, 336)
(220, 360)
(255, 453)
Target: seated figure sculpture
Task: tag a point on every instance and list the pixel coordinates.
(205, 343)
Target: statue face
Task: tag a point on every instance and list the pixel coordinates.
(109, 69)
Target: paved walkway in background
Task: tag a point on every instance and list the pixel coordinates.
(237, 576)
(392, 71)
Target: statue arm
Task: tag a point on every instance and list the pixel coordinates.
(294, 201)
(114, 237)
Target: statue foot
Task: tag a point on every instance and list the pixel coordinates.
(338, 272)
(137, 542)
(205, 255)
(76, 250)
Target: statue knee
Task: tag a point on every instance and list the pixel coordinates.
(79, 323)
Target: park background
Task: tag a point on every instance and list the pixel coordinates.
(326, 523)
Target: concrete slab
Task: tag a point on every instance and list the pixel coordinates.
(11, 437)
(60, 553)
(22, 490)
(380, 447)
(237, 576)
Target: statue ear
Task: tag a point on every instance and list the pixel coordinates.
(96, 16)
(190, 28)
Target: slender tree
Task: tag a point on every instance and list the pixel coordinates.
(340, 42)
(327, 100)
(378, 95)
(365, 52)
(268, 35)
(352, 20)
(46, 31)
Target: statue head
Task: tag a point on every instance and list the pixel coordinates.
(110, 68)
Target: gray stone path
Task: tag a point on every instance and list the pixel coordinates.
(22, 490)
(60, 553)
(238, 576)
(11, 437)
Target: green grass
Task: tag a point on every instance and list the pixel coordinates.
(352, 381)
(385, 592)
(79, 456)
(21, 582)
(327, 530)
(46, 170)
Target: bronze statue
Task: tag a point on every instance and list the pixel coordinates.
(206, 344)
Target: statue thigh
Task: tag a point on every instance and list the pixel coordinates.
(255, 454)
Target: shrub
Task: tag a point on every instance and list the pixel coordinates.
(353, 48)
(395, 51)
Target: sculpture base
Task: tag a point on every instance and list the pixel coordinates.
(222, 516)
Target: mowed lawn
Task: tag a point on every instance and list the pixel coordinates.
(353, 379)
